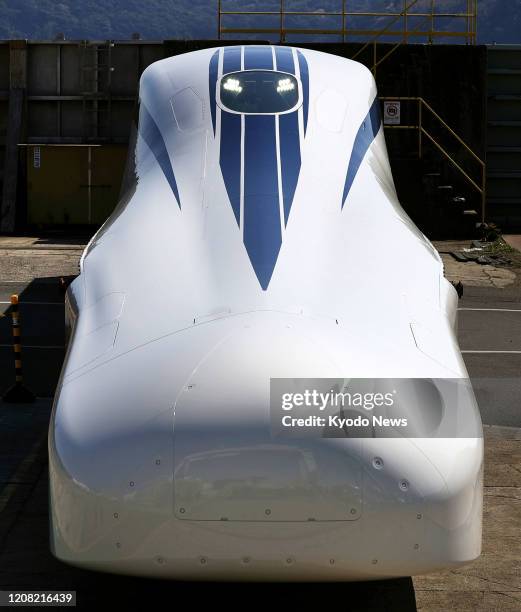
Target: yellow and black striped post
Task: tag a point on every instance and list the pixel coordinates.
(18, 393)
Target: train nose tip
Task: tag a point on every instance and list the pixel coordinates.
(229, 465)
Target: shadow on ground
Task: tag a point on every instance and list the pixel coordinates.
(26, 562)
(42, 324)
(25, 559)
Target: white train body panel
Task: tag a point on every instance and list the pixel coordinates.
(255, 246)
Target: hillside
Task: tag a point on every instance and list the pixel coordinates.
(159, 19)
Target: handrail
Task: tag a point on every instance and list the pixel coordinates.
(458, 138)
(408, 33)
(422, 131)
(391, 51)
(468, 34)
(384, 30)
(437, 144)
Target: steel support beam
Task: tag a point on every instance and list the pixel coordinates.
(15, 115)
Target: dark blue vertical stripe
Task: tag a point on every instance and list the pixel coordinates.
(289, 158)
(212, 80)
(230, 159)
(284, 58)
(231, 59)
(366, 134)
(154, 139)
(258, 58)
(262, 233)
(304, 79)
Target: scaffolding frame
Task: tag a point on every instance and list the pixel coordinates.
(344, 16)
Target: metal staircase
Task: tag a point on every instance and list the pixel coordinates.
(431, 159)
(504, 135)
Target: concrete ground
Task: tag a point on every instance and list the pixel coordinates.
(514, 241)
(490, 337)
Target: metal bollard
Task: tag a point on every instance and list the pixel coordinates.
(18, 393)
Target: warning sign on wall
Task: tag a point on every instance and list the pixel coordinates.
(391, 112)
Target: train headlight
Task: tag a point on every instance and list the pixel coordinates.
(285, 85)
(233, 85)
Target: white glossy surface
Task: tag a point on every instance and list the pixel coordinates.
(170, 322)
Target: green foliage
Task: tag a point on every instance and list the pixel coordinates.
(107, 19)
(499, 21)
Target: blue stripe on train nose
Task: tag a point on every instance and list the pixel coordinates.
(261, 221)
(262, 231)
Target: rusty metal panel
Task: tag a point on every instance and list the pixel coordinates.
(70, 70)
(3, 122)
(55, 191)
(61, 190)
(42, 119)
(41, 70)
(126, 64)
(108, 165)
(4, 66)
(121, 117)
(72, 119)
(151, 53)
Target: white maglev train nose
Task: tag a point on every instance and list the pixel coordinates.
(254, 246)
(193, 486)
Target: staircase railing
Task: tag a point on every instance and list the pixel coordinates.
(480, 185)
(375, 39)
